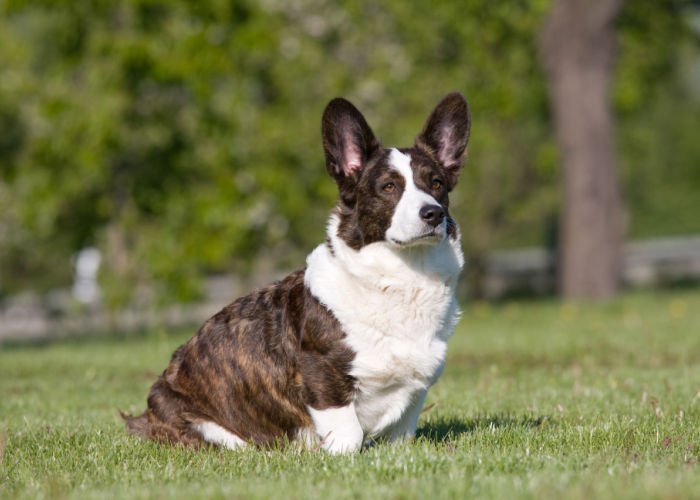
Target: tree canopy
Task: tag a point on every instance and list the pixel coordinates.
(183, 137)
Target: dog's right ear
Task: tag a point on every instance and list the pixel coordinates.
(446, 133)
(348, 143)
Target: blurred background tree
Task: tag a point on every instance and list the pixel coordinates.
(578, 47)
(182, 138)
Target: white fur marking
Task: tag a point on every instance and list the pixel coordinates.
(397, 308)
(338, 427)
(405, 428)
(307, 437)
(215, 434)
(406, 223)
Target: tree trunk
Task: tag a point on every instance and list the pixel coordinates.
(577, 48)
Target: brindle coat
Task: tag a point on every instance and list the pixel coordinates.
(252, 368)
(256, 366)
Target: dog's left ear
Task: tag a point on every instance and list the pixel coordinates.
(446, 133)
(348, 143)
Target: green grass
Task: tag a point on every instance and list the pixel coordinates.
(539, 400)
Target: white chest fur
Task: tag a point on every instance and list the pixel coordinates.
(397, 308)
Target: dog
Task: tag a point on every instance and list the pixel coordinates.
(342, 352)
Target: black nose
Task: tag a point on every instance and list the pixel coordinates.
(432, 214)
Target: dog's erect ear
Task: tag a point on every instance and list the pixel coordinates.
(348, 143)
(446, 133)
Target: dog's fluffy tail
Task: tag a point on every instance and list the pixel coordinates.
(139, 426)
(148, 427)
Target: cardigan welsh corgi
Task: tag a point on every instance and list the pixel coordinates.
(343, 351)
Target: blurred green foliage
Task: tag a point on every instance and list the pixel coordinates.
(183, 137)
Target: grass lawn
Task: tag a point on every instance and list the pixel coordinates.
(539, 400)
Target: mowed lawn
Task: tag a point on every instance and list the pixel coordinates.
(539, 400)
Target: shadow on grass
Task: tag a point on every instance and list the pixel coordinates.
(446, 429)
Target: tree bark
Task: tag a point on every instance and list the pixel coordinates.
(577, 48)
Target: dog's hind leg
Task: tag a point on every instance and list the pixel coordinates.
(217, 435)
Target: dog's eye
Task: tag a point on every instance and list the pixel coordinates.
(437, 184)
(389, 188)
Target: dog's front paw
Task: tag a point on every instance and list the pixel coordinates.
(338, 428)
(342, 442)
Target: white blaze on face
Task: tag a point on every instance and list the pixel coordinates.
(407, 224)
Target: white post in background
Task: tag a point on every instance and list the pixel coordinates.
(85, 287)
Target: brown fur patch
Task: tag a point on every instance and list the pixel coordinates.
(252, 369)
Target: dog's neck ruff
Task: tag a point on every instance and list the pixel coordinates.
(397, 308)
(382, 265)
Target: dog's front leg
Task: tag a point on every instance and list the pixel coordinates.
(405, 428)
(339, 428)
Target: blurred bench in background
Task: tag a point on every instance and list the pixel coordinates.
(647, 263)
(507, 273)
